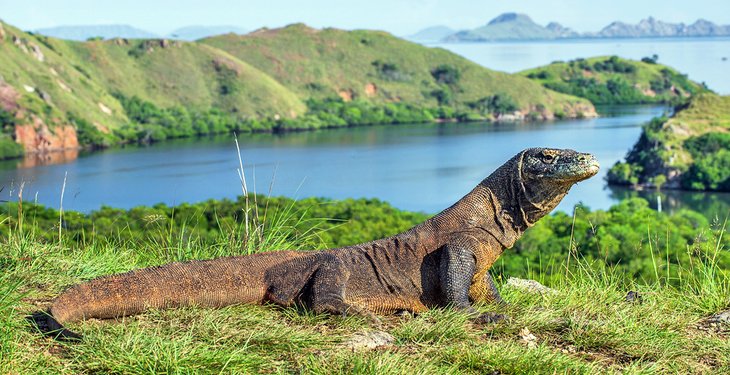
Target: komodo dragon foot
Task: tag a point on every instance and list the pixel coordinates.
(490, 318)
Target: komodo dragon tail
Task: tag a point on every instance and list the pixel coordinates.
(209, 283)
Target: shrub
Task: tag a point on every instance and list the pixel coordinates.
(446, 74)
(390, 71)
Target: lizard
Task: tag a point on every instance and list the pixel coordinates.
(441, 262)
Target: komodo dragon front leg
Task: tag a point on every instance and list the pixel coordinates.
(459, 264)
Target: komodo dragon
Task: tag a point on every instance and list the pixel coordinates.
(440, 262)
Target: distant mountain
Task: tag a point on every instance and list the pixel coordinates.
(652, 27)
(432, 34)
(516, 26)
(561, 31)
(511, 26)
(84, 32)
(199, 32)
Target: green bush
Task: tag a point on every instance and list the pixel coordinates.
(390, 71)
(709, 172)
(497, 104)
(446, 74)
(9, 149)
(88, 135)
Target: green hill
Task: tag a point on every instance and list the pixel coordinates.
(378, 67)
(690, 150)
(613, 80)
(57, 94)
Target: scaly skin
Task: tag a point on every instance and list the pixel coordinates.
(442, 262)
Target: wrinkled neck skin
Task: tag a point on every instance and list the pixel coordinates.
(503, 205)
(518, 200)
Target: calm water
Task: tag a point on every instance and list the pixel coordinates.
(423, 167)
(700, 58)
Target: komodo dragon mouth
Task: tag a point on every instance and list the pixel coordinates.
(443, 261)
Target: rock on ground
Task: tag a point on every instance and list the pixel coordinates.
(369, 340)
(723, 317)
(529, 286)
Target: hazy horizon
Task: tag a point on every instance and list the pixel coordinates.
(400, 17)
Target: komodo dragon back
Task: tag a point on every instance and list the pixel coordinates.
(443, 261)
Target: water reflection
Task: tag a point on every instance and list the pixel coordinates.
(47, 158)
(713, 205)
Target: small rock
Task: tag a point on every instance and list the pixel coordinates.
(529, 286)
(45, 96)
(723, 317)
(369, 340)
(634, 297)
(63, 85)
(104, 108)
(528, 338)
(37, 53)
(510, 117)
(29, 88)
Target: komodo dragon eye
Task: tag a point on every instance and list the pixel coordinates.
(548, 157)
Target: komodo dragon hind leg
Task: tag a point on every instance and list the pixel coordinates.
(329, 288)
(457, 268)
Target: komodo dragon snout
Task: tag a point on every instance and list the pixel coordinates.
(443, 261)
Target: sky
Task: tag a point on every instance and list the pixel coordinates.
(401, 17)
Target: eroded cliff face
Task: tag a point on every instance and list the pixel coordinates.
(37, 137)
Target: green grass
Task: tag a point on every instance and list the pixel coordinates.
(587, 327)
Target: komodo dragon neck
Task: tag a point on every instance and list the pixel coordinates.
(499, 205)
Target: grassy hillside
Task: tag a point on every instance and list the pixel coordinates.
(378, 67)
(587, 326)
(175, 73)
(690, 150)
(613, 80)
(57, 94)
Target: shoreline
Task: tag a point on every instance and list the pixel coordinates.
(49, 153)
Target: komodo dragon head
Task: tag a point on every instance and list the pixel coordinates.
(546, 175)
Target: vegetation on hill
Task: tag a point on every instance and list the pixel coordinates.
(614, 80)
(290, 78)
(678, 265)
(380, 68)
(690, 150)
